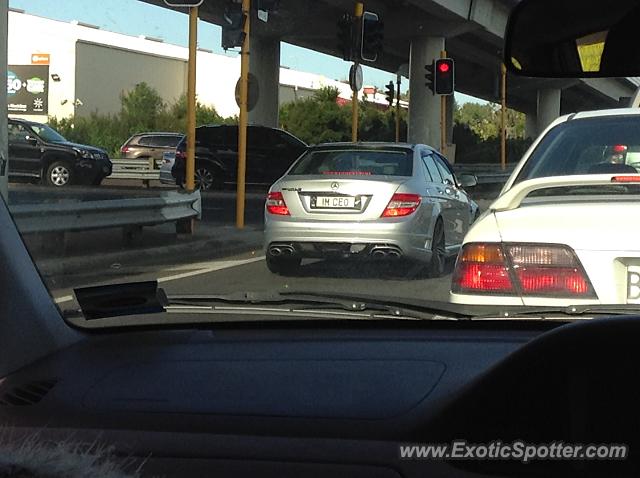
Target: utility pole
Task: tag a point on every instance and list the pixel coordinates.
(359, 11)
(243, 119)
(398, 83)
(503, 116)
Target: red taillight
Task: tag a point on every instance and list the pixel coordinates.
(626, 179)
(402, 205)
(526, 269)
(124, 150)
(276, 204)
(551, 280)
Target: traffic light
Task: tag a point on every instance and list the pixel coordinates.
(428, 76)
(391, 93)
(372, 37)
(346, 37)
(233, 28)
(445, 76)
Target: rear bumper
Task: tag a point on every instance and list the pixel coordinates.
(375, 240)
(166, 177)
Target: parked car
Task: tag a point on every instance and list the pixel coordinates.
(270, 152)
(564, 230)
(371, 201)
(37, 151)
(168, 158)
(150, 145)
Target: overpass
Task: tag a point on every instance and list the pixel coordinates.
(472, 32)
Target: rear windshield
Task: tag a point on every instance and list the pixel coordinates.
(587, 146)
(355, 162)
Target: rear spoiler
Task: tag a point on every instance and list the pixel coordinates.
(512, 199)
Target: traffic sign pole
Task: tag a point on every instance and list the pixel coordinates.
(398, 82)
(243, 119)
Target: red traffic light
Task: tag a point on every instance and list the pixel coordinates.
(443, 67)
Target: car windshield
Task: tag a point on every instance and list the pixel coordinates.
(47, 133)
(346, 158)
(356, 162)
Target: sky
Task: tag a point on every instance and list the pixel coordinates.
(133, 17)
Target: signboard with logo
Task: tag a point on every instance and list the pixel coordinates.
(40, 59)
(28, 89)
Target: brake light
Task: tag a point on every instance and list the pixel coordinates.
(526, 269)
(124, 149)
(402, 205)
(276, 204)
(626, 179)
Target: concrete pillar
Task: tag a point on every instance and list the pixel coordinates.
(264, 63)
(4, 36)
(424, 107)
(548, 107)
(531, 126)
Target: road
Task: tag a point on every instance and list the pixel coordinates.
(246, 272)
(249, 273)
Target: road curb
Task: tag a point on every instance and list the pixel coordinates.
(192, 250)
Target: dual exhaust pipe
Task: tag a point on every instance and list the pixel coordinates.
(281, 250)
(386, 252)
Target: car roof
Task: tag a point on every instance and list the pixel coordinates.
(366, 145)
(604, 113)
(24, 121)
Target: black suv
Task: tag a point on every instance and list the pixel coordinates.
(270, 152)
(38, 151)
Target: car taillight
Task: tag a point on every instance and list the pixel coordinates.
(182, 155)
(402, 205)
(524, 269)
(276, 204)
(124, 150)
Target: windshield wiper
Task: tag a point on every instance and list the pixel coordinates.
(571, 312)
(313, 302)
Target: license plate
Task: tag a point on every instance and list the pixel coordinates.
(633, 284)
(333, 202)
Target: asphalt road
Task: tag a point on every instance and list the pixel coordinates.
(249, 273)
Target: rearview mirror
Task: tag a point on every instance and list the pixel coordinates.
(468, 180)
(573, 39)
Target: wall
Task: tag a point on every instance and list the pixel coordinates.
(104, 72)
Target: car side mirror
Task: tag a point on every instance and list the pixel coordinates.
(468, 180)
(31, 140)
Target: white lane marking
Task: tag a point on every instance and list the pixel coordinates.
(213, 268)
(210, 267)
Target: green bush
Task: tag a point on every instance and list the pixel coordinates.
(142, 109)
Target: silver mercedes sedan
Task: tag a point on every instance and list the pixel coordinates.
(368, 201)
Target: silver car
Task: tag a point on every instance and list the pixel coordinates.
(168, 158)
(372, 201)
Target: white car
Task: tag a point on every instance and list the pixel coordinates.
(565, 229)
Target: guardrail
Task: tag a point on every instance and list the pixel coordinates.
(130, 214)
(143, 169)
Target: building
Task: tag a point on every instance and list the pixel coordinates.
(63, 69)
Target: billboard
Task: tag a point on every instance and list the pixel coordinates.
(28, 89)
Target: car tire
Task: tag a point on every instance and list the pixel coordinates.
(97, 181)
(207, 178)
(58, 174)
(438, 261)
(289, 266)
